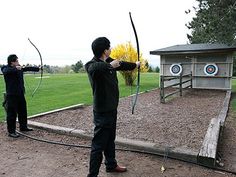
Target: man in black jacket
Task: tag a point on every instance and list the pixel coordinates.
(15, 99)
(103, 79)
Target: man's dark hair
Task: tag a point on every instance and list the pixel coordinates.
(11, 58)
(99, 45)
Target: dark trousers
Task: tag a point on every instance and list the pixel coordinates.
(103, 141)
(16, 106)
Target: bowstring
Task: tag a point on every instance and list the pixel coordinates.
(25, 79)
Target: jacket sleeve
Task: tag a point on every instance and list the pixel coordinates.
(124, 66)
(97, 67)
(36, 69)
(8, 70)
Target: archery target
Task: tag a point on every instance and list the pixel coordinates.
(211, 69)
(176, 69)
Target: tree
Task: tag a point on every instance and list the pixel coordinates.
(150, 69)
(214, 22)
(47, 69)
(157, 70)
(66, 69)
(77, 66)
(126, 52)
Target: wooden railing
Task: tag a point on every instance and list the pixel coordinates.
(165, 79)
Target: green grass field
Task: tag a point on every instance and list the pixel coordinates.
(60, 90)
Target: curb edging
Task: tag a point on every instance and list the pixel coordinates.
(176, 153)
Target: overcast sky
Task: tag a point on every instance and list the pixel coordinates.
(63, 30)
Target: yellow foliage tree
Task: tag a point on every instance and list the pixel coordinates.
(126, 52)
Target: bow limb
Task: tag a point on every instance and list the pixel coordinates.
(41, 61)
(138, 59)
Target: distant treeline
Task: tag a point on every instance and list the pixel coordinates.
(78, 67)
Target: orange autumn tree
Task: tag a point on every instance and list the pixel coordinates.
(126, 52)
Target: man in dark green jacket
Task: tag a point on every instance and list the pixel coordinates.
(103, 79)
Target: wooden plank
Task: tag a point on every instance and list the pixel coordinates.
(207, 154)
(187, 75)
(186, 81)
(57, 110)
(189, 86)
(223, 113)
(169, 79)
(171, 85)
(205, 76)
(172, 93)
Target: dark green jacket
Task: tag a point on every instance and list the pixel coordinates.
(104, 83)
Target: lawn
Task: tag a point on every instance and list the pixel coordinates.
(60, 90)
(233, 100)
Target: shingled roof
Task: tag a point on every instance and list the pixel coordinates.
(193, 48)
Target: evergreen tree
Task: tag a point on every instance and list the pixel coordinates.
(77, 66)
(215, 22)
(157, 70)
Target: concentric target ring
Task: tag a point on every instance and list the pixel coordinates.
(176, 69)
(211, 69)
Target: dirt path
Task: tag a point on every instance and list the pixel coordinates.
(28, 158)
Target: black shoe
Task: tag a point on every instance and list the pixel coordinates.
(14, 135)
(26, 129)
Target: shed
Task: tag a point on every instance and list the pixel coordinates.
(210, 65)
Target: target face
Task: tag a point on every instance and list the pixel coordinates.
(176, 69)
(211, 69)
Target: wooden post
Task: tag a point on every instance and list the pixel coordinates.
(180, 84)
(191, 77)
(162, 93)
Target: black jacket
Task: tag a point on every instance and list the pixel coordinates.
(14, 79)
(104, 83)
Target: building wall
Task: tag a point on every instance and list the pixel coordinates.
(196, 64)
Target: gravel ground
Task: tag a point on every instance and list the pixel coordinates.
(24, 157)
(181, 122)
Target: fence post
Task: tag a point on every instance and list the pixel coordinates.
(162, 93)
(191, 77)
(180, 84)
